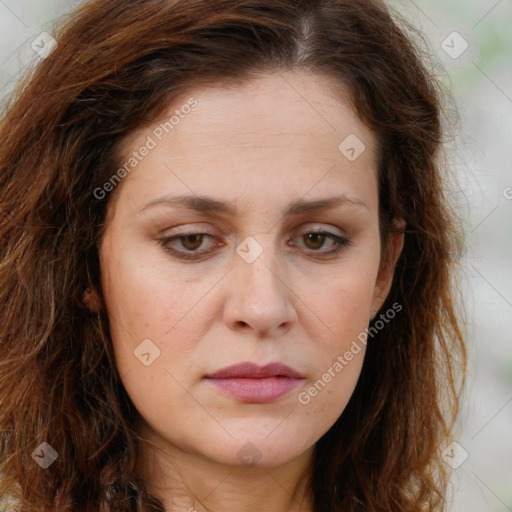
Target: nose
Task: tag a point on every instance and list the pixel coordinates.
(259, 297)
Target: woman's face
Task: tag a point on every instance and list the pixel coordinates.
(252, 285)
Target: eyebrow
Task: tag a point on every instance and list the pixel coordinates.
(209, 204)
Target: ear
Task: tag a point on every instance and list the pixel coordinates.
(91, 300)
(387, 266)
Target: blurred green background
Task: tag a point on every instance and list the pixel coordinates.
(480, 77)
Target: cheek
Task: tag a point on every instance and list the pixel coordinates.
(337, 329)
(340, 301)
(151, 330)
(326, 396)
(137, 300)
(154, 309)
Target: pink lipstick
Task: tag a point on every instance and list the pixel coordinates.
(255, 384)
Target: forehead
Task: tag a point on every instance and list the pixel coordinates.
(301, 104)
(280, 130)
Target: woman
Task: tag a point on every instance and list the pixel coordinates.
(227, 255)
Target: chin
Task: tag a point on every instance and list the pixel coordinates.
(261, 450)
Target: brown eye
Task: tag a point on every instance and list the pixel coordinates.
(189, 245)
(192, 242)
(316, 239)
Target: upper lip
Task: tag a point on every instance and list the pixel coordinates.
(253, 371)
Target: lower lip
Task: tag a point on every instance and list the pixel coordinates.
(256, 391)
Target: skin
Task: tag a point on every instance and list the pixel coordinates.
(259, 146)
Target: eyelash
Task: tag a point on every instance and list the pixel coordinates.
(341, 244)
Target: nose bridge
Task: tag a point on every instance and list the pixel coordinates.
(260, 297)
(258, 265)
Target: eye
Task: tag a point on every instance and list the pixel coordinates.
(315, 240)
(192, 242)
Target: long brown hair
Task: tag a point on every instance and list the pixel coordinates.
(117, 65)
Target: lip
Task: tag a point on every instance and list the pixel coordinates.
(252, 383)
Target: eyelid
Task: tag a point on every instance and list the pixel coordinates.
(340, 242)
(190, 229)
(311, 227)
(196, 229)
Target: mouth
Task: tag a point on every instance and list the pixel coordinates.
(251, 383)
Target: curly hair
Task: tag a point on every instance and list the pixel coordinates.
(116, 67)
